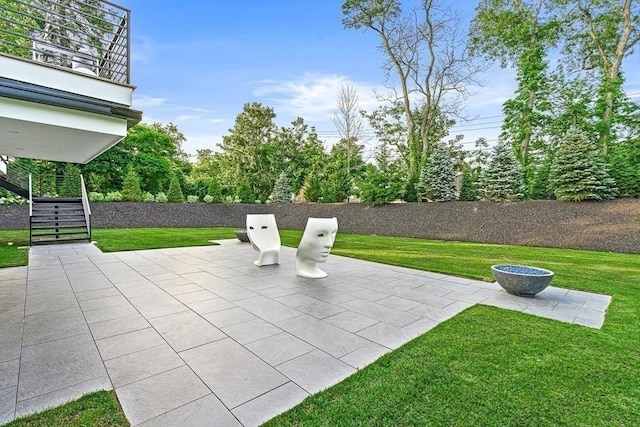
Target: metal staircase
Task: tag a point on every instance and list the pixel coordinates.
(52, 220)
(58, 220)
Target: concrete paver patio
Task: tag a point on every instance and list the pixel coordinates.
(201, 336)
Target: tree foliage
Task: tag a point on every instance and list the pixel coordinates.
(520, 33)
(502, 180)
(131, 191)
(174, 194)
(437, 182)
(429, 60)
(578, 171)
(281, 191)
(602, 35)
(70, 186)
(624, 167)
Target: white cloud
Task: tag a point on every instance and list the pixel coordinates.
(217, 120)
(187, 117)
(311, 96)
(142, 101)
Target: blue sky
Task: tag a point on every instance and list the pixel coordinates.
(197, 62)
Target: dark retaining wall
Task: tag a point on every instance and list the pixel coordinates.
(604, 226)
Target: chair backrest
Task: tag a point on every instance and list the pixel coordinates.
(317, 239)
(262, 231)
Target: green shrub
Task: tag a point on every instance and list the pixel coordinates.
(232, 199)
(214, 191)
(378, 187)
(96, 197)
(161, 198)
(193, 199)
(113, 196)
(131, 191)
(148, 197)
(312, 188)
(245, 194)
(174, 195)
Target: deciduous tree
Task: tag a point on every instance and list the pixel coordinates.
(428, 57)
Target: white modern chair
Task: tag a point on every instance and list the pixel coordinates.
(315, 245)
(262, 231)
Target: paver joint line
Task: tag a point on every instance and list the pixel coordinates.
(229, 341)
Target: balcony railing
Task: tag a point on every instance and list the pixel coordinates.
(89, 36)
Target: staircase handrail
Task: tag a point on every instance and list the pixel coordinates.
(30, 197)
(17, 174)
(85, 205)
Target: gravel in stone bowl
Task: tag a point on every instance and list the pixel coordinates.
(522, 280)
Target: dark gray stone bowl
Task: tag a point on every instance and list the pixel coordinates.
(242, 235)
(522, 280)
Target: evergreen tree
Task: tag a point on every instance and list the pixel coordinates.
(468, 190)
(313, 187)
(131, 191)
(215, 191)
(245, 193)
(70, 186)
(437, 181)
(578, 172)
(624, 167)
(540, 185)
(281, 190)
(174, 195)
(379, 186)
(338, 186)
(502, 180)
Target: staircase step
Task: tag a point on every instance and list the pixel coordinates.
(52, 216)
(52, 222)
(57, 200)
(57, 206)
(58, 231)
(58, 226)
(36, 242)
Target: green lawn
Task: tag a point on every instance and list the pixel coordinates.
(130, 239)
(100, 409)
(13, 248)
(486, 366)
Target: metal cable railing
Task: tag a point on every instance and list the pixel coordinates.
(89, 36)
(43, 183)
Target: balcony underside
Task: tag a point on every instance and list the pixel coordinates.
(39, 120)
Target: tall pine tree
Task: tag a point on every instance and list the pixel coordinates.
(502, 180)
(131, 191)
(578, 171)
(437, 182)
(281, 190)
(175, 195)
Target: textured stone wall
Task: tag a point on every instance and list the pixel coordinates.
(605, 226)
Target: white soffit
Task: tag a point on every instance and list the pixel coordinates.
(40, 131)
